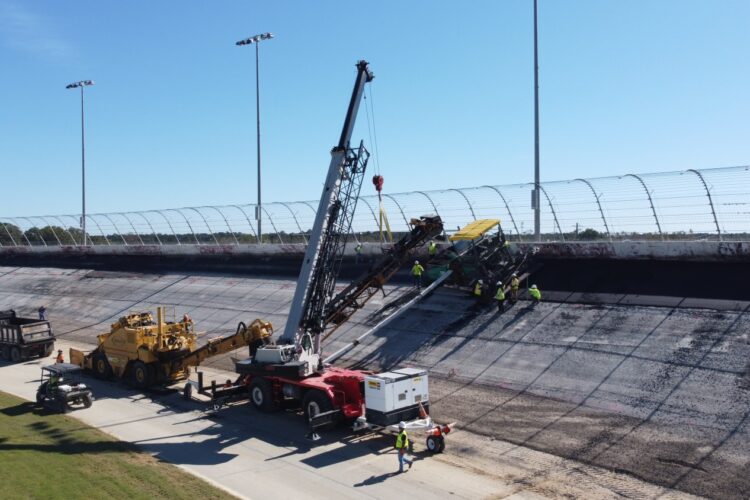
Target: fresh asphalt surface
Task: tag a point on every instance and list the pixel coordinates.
(622, 395)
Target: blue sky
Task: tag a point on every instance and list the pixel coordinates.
(636, 86)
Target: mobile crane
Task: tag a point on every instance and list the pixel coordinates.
(290, 372)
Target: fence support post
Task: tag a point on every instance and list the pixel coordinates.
(710, 201)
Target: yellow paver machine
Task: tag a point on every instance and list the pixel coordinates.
(149, 352)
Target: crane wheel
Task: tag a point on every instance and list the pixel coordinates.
(314, 403)
(143, 375)
(261, 394)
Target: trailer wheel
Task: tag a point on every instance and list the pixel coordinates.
(261, 394)
(6, 352)
(143, 376)
(435, 444)
(314, 403)
(101, 366)
(15, 354)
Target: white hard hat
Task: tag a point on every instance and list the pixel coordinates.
(416, 262)
(514, 275)
(499, 283)
(401, 424)
(480, 281)
(533, 286)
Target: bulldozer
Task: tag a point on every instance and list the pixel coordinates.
(149, 352)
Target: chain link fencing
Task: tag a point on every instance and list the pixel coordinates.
(708, 204)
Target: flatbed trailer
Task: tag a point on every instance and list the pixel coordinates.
(23, 338)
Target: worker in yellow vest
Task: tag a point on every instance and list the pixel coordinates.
(536, 295)
(514, 284)
(416, 272)
(500, 296)
(432, 249)
(478, 286)
(402, 447)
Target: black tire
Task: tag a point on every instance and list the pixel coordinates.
(142, 375)
(63, 406)
(261, 395)
(15, 354)
(6, 353)
(101, 366)
(315, 402)
(40, 396)
(187, 391)
(435, 444)
(86, 399)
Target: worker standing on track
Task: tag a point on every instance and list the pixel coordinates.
(402, 446)
(416, 272)
(536, 295)
(500, 296)
(432, 249)
(357, 252)
(42, 313)
(478, 286)
(514, 284)
(60, 358)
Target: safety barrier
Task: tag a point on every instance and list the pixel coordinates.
(708, 204)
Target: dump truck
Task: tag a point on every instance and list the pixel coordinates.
(22, 338)
(149, 352)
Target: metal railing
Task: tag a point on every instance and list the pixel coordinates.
(692, 204)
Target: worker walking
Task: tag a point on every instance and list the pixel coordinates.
(536, 295)
(402, 447)
(416, 272)
(60, 358)
(514, 284)
(432, 248)
(500, 296)
(42, 313)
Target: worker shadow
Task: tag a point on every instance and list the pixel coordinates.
(376, 479)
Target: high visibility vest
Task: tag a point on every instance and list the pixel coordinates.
(417, 270)
(478, 289)
(432, 248)
(402, 440)
(514, 284)
(534, 292)
(358, 249)
(500, 295)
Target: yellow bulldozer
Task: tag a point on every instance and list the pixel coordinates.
(152, 352)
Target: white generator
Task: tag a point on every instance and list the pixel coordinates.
(394, 396)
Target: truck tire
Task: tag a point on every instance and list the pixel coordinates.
(6, 353)
(101, 366)
(314, 403)
(142, 374)
(15, 354)
(261, 394)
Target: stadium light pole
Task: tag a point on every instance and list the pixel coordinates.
(255, 40)
(81, 85)
(537, 197)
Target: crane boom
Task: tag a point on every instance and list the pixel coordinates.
(326, 244)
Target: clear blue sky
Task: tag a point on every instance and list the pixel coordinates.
(634, 86)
